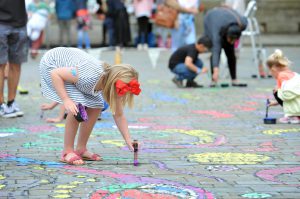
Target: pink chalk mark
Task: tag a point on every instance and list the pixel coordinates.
(271, 174)
(244, 108)
(214, 114)
(41, 128)
(265, 147)
(297, 153)
(3, 155)
(219, 141)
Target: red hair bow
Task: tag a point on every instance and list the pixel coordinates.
(133, 86)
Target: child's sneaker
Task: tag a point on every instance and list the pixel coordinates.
(2, 109)
(289, 120)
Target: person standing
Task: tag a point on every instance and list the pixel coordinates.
(65, 10)
(143, 9)
(13, 50)
(224, 26)
(83, 24)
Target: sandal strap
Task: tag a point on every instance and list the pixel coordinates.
(72, 159)
(95, 156)
(81, 152)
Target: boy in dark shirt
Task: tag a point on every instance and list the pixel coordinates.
(184, 62)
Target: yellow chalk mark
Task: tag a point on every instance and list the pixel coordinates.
(204, 136)
(76, 182)
(62, 186)
(79, 176)
(62, 196)
(2, 177)
(228, 158)
(62, 191)
(91, 180)
(2, 186)
(44, 181)
(280, 131)
(60, 125)
(119, 143)
(38, 168)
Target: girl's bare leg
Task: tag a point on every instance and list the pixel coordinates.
(86, 130)
(69, 138)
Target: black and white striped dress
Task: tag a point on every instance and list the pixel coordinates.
(89, 72)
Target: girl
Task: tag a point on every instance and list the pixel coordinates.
(287, 90)
(71, 76)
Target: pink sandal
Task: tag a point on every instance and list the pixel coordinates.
(92, 158)
(72, 159)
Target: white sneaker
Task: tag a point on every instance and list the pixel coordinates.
(17, 109)
(145, 47)
(2, 109)
(12, 111)
(140, 47)
(289, 120)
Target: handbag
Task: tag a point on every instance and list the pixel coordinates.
(165, 16)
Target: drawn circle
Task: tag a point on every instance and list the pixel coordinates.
(256, 195)
(228, 158)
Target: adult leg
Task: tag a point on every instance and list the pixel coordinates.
(79, 38)
(2, 68)
(85, 131)
(13, 80)
(231, 60)
(61, 31)
(182, 72)
(140, 39)
(87, 39)
(68, 32)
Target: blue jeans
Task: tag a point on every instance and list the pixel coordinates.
(83, 35)
(183, 72)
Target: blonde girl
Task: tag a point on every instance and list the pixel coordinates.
(71, 76)
(287, 90)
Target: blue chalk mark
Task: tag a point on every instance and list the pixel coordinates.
(167, 98)
(28, 161)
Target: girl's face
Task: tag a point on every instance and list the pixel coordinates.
(274, 71)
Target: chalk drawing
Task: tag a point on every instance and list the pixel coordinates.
(265, 147)
(163, 166)
(118, 143)
(132, 126)
(6, 134)
(40, 128)
(228, 158)
(221, 168)
(256, 195)
(167, 98)
(297, 153)
(213, 114)
(12, 130)
(161, 184)
(272, 174)
(281, 131)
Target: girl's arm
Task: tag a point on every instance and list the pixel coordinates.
(60, 116)
(59, 77)
(122, 124)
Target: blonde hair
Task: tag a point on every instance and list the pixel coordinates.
(124, 72)
(277, 59)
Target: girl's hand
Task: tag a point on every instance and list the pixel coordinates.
(54, 120)
(204, 70)
(70, 106)
(273, 103)
(129, 145)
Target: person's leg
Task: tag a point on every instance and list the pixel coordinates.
(231, 60)
(61, 31)
(85, 131)
(71, 128)
(13, 80)
(182, 72)
(68, 32)
(2, 68)
(140, 39)
(87, 39)
(79, 38)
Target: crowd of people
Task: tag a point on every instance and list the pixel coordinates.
(73, 78)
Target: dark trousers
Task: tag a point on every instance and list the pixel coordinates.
(231, 59)
(143, 29)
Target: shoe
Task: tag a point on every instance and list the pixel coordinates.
(177, 82)
(192, 84)
(145, 47)
(213, 84)
(2, 109)
(140, 47)
(239, 85)
(72, 159)
(289, 120)
(17, 110)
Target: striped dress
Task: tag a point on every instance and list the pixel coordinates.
(89, 72)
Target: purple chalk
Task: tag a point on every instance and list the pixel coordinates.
(82, 112)
(135, 163)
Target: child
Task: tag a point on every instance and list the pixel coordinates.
(287, 90)
(71, 76)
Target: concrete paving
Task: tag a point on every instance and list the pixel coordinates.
(196, 143)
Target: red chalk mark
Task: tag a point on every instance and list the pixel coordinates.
(214, 114)
(271, 174)
(265, 147)
(41, 128)
(243, 108)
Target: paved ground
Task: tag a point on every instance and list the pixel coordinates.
(197, 143)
